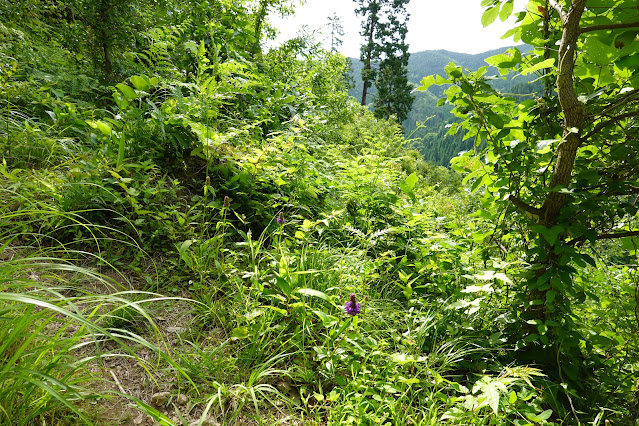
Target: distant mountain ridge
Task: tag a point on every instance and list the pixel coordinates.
(429, 62)
(431, 139)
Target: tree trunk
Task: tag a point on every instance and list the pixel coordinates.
(573, 115)
(369, 57)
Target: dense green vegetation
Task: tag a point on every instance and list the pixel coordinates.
(196, 230)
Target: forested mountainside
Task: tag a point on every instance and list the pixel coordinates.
(427, 123)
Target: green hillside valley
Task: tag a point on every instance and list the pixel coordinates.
(427, 123)
(198, 229)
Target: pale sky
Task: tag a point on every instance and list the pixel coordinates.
(453, 25)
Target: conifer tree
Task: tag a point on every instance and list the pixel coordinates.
(336, 31)
(385, 56)
(369, 52)
(393, 90)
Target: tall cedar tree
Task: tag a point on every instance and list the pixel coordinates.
(393, 90)
(370, 10)
(384, 27)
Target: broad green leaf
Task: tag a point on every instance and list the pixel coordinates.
(408, 381)
(407, 291)
(477, 288)
(548, 63)
(453, 70)
(411, 180)
(513, 397)
(598, 52)
(545, 145)
(492, 275)
(190, 46)
(630, 243)
(127, 91)
(140, 82)
(407, 186)
(327, 320)
(506, 10)
(120, 100)
(239, 333)
(545, 415)
(402, 358)
(105, 128)
(489, 15)
(426, 83)
(492, 394)
(551, 235)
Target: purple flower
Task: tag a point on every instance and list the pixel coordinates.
(280, 219)
(227, 202)
(352, 306)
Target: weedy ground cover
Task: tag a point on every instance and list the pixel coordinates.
(206, 233)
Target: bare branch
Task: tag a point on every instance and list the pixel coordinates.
(608, 27)
(524, 206)
(607, 123)
(558, 8)
(614, 235)
(610, 236)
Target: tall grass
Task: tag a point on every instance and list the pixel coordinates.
(54, 331)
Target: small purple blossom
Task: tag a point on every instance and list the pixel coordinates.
(352, 306)
(227, 202)
(280, 219)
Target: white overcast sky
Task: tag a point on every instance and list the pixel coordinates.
(453, 25)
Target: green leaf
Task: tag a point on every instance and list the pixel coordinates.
(403, 359)
(327, 320)
(513, 397)
(408, 291)
(105, 128)
(630, 243)
(314, 293)
(545, 145)
(120, 100)
(411, 180)
(550, 234)
(598, 52)
(548, 63)
(426, 83)
(506, 10)
(545, 415)
(491, 392)
(191, 46)
(489, 16)
(239, 333)
(408, 185)
(127, 91)
(140, 82)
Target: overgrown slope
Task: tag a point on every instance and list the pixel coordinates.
(232, 233)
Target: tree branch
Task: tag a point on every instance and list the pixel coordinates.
(607, 123)
(609, 236)
(558, 8)
(614, 235)
(608, 27)
(524, 206)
